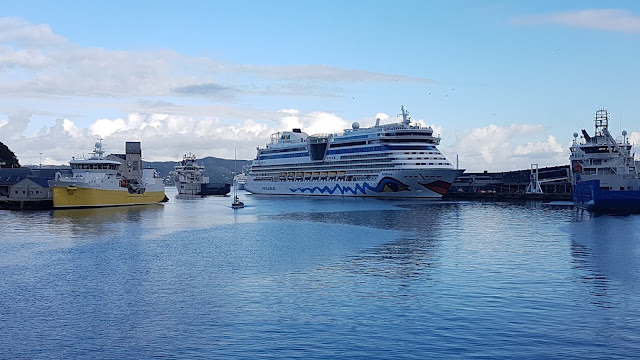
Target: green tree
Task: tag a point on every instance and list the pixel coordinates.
(7, 158)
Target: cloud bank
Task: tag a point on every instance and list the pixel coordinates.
(499, 148)
(599, 19)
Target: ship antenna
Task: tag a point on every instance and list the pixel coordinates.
(405, 115)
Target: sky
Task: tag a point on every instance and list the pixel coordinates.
(504, 83)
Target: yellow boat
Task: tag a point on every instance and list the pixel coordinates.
(99, 181)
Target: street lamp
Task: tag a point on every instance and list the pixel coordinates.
(41, 160)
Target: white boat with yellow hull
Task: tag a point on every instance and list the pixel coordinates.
(99, 181)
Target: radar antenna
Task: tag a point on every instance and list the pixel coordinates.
(405, 115)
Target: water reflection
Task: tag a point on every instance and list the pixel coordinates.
(605, 253)
(411, 256)
(98, 221)
(597, 283)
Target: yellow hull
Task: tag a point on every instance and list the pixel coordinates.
(74, 197)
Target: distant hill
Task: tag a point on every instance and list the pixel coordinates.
(7, 158)
(218, 170)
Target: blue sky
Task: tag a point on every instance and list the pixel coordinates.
(505, 83)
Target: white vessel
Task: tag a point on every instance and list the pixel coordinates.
(190, 175)
(240, 180)
(190, 179)
(100, 181)
(604, 175)
(398, 160)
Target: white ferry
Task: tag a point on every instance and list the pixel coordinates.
(398, 160)
(104, 181)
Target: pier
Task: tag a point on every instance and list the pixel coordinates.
(540, 184)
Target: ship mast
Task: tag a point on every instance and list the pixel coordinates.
(405, 115)
(601, 121)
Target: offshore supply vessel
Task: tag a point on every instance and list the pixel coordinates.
(604, 173)
(115, 180)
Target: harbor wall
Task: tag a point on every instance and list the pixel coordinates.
(512, 185)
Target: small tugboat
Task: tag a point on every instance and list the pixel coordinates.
(190, 179)
(604, 176)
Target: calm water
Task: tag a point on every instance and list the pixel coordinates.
(319, 278)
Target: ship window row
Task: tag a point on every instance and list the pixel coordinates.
(95, 166)
(354, 137)
(293, 169)
(410, 133)
(275, 171)
(341, 164)
(348, 151)
(319, 165)
(428, 141)
(283, 156)
(275, 151)
(599, 171)
(426, 158)
(353, 143)
(412, 147)
(595, 149)
(380, 155)
(381, 148)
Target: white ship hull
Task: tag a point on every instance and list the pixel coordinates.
(419, 183)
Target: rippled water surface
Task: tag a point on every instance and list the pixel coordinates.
(296, 277)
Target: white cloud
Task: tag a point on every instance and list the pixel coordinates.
(52, 66)
(634, 138)
(18, 31)
(601, 19)
(540, 147)
(14, 125)
(71, 128)
(24, 58)
(165, 137)
(106, 127)
(313, 123)
(498, 148)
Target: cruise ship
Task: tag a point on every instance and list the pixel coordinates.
(190, 179)
(604, 173)
(116, 180)
(399, 160)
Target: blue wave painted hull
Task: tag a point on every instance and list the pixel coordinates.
(587, 194)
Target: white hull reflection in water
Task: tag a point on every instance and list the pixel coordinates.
(319, 278)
